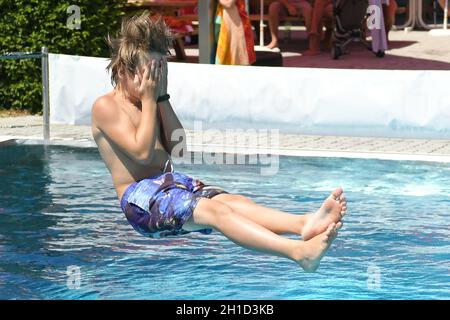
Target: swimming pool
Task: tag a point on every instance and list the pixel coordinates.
(58, 209)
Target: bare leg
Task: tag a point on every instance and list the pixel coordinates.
(274, 21)
(306, 11)
(251, 235)
(279, 222)
(276, 221)
(316, 23)
(389, 16)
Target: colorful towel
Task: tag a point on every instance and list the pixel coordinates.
(233, 36)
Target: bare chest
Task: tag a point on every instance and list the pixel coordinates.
(135, 117)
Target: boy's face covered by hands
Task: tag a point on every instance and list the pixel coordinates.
(150, 80)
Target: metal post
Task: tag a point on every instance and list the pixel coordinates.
(261, 23)
(445, 14)
(435, 4)
(410, 23)
(45, 94)
(438, 32)
(205, 31)
(419, 16)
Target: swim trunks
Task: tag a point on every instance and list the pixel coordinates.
(159, 206)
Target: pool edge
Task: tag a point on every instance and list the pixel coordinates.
(86, 143)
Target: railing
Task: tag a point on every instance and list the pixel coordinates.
(412, 16)
(43, 55)
(425, 25)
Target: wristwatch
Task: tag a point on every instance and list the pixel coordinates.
(163, 98)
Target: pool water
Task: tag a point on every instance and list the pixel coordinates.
(59, 215)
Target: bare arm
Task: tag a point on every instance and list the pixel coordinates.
(138, 143)
(173, 135)
(173, 131)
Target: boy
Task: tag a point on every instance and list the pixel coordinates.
(132, 126)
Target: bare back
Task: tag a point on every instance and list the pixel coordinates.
(124, 170)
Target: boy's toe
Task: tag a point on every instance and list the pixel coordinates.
(336, 194)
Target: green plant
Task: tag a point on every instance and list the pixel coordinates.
(27, 25)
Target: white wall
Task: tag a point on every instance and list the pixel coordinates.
(390, 103)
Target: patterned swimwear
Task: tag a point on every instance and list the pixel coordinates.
(159, 206)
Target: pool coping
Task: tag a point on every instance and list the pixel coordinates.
(393, 156)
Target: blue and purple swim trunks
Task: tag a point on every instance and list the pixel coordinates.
(159, 206)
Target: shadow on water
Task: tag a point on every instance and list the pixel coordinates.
(25, 178)
(23, 194)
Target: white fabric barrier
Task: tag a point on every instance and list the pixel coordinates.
(388, 103)
(75, 83)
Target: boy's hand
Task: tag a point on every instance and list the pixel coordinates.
(148, 84)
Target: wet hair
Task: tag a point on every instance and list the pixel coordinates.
(139, 35)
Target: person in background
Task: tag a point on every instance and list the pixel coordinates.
(389, 9)
(321, 8)
(280, 9)
(233, 35)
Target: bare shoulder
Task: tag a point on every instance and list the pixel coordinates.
(104, 109)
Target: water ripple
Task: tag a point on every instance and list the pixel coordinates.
(58, 209)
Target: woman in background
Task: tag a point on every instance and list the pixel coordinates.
(233, 36)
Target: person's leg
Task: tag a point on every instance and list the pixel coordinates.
(306, 10)
(276, 221)
(316, 23)
(307, 225)
(389, 16)
(276, 11)
(250, 235)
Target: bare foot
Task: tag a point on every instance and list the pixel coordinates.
(312, 251)
(314, 45)
(272, 44)
(310, 53)
(332, 210)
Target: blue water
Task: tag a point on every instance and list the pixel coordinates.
(58, 209)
